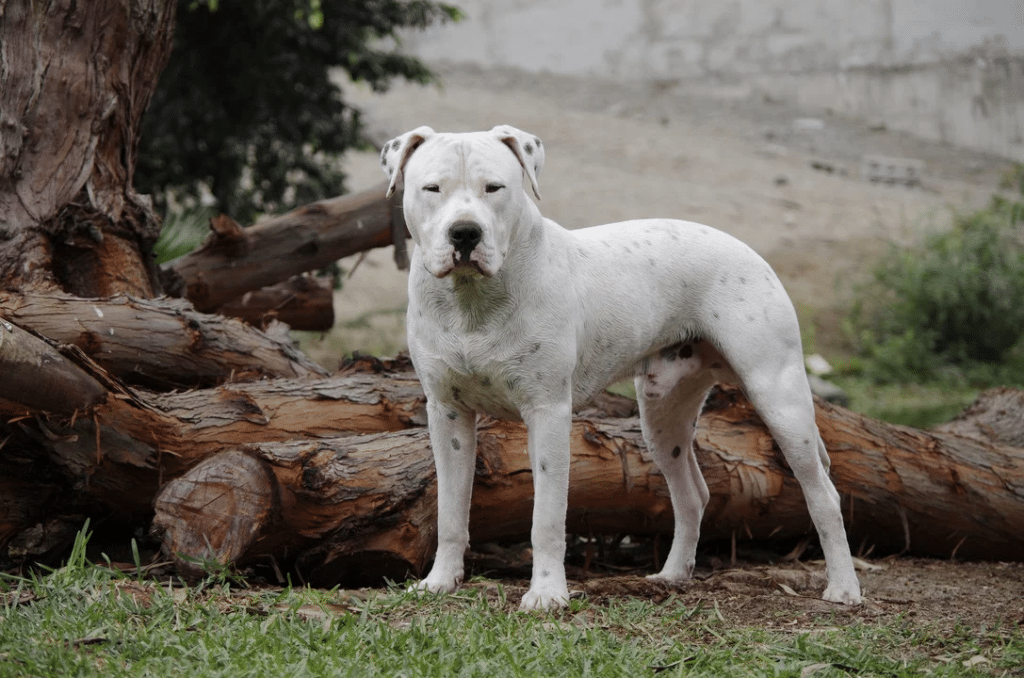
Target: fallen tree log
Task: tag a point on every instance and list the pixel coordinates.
(333, 503)
(36, 375)
(301, 302)
(236, 260)
(119, 451)
(997, 416)
(365, 505)
(160, 343)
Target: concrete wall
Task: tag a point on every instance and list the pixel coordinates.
(951, 70)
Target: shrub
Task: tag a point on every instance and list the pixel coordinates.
(246, 106)
(952, 306)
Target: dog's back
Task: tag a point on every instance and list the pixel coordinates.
(641, 286)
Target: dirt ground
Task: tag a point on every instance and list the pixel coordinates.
(788, 183)
(939, 594)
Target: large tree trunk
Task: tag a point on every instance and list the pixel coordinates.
(76, 80)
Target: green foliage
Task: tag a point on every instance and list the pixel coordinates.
(1014, 179)
(182, 232)
(246, 105)
(909, 404)
(950, 309)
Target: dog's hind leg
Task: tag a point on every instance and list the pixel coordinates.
(669, 424)
(783, 399)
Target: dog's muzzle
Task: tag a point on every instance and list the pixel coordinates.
(464, 236)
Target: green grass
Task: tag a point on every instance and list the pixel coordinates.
(88, 620)
(919, 405)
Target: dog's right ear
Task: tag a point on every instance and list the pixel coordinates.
(396, 153)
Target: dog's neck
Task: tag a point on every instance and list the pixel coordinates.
(478, 302)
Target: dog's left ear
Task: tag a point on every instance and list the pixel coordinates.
(396, 153)
(527, 149)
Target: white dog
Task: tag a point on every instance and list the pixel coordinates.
(512, 315)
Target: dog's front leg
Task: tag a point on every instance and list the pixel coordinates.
(453, 439)
(549, 458)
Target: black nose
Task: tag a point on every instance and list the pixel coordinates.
(464, 237)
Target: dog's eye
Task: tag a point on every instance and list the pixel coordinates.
(433, 188)
(493, 188)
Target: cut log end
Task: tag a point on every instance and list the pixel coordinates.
(210, 516)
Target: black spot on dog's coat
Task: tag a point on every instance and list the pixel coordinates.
(676, 451)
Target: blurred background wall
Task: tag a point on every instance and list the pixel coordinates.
(946, 70)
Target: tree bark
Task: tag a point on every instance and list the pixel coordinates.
(302, 302)
(236, 260)
(127, 443)
(38, 377)
(76, 80)
(997, 416)
(158, 343)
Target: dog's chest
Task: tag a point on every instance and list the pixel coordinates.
(496, 376)
(486, 391)
(484, 355)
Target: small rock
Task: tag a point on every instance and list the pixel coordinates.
(828, 391)
(816, 364)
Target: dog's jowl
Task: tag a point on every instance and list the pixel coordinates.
(512, 315)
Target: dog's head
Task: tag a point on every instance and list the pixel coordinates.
(464, 193)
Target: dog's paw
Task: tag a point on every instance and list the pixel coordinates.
(544, 600)
(672, 576)
(437, 584)
(847, 595)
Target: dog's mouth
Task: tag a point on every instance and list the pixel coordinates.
(465, 268)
